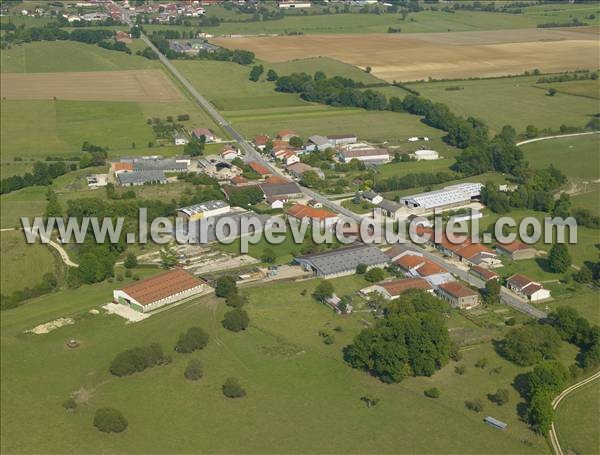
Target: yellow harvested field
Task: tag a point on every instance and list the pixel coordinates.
(135, 85)
(417, 56)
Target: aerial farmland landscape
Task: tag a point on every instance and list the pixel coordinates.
(293, 227)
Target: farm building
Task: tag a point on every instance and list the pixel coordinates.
(458, 295)
(370, 155)
(342, 261)
(204, 230)
(289, 189)
(203, 210)
(159, 164)
(450, 196)
(483, 273)
(260, 169)
(209, 136)
(388, 209)
(141, 178)
(468, 215)
(160, 290)
(527, 288)
(218, 168)
(294, 4)
(516, 250)
(426, 155)
(317, 142)
(342, 139)
(317, 217)
(391, 290)
(372, 197)
(298, 170)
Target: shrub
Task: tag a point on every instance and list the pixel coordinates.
(137, 359)
(329, 339)
(70, 404)
(236, 300)
(110, 420)
(474, 405)
(193, 371)
(432, 393)
(225, 286)
(130, 261)
(460, 369)
(323, 290)
(361, 269)
(481, 363)
(374, 275)
(500, 397)
(195, 338)
(236, 320)
(233, 389)
(128, 273)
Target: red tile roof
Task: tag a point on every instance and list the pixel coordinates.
(484, 273)
(276, 179)
(410, 261)
(261, 139)
(161, 286)
(300, 211)
(123, 166)
(514, 246)
(398, 287)
(259, 168)
(430, 268)
(519, 281)
(456, 289)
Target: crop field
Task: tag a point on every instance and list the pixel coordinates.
(437, 55)
(23, 265)
(573, 416)
(516, 101)
(293, 381)
(136, 85)
(586, 89)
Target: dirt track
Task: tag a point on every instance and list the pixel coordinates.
(407, 57)
(136, 85)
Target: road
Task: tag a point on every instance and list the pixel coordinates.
(558, 136)
(57, 246)
(553, 437)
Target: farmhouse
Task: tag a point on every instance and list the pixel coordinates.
(342, 139)
(317, 217)
(388, 209)
(450, 196)
(298, 170)
(203, 210)
(369, 155)
(209, 136)
(290, 190)
(458, 295)
(426, 155)
(372, 197)
(483, 273)
(342, 261)
(516, 250)
(527, 288)
(160, 290)
(141, 178)
(391, 290)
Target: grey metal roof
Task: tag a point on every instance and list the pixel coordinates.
(280, 189)
(388, 205)
(140, 177)
(203, 207)
(340, 260)
(204, 230)
(159, 165)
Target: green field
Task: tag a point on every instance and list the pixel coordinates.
(23, 265)
(590, 201)
(329, 66)
(293, 381)
(517, 101)
(574, 416)
(586, 88)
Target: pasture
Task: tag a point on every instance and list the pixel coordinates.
(517, 101)
(436, 55)
(292, 378)
(132, 85)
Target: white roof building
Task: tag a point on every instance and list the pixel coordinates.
(422, 155)
(452, 195)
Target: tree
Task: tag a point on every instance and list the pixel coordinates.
(70, 404)
(236, 320)
(474, 405)
(374, 275)
(492, 292)
(550, 377)
(193, 371)
(232, 389)
(195, 147)
(137, 359)
(531, 132)
(130, 261)
(500, 397)
(361, 269)
(195, 338)
(311, 179)
(559, 259)
(562, 206)
(540, 412)
(296, 141)
(110, 420)
(255, 73)
(53, 208)
(236, 300)
(323, 291)
(272, 75)
(168, 257)
(530, 344)
(433, 392)
(583, 275)
(225, 286)
(368, 69)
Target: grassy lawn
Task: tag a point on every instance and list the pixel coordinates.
(573, 419)
(400, 169)
(586, 88)
(293, 381)
(15, 168)
(583, 299)
(516, 101)
(23, 264)
(590, 201)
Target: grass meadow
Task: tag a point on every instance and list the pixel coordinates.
(301, 396)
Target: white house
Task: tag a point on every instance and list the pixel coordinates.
(527, 288)
(180, 139)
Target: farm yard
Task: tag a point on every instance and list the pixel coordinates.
(436, 55)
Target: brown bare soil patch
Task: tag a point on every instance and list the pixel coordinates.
(416, 56)
(135, 85)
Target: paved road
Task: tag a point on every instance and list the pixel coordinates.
(553, 437)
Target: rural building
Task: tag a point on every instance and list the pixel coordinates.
(160, 290)
(298, 170)
(388, 209)
(203, 210)
(229, 153)
(218, 168)
(290, 189)
(369, 155)
(286, 135)
(495, 423)
(527, 288)
(342, 139)
(277, 202)
(317, 142)
(317, 217)
(450, 196)
(483, 273)
(204, 230)
(391, 290)
(261, 170)
(399, 250)
(260, 142)
(159, 164)
(314, 203)
(289, 157)
(180, 139)
(294, 4)
(342, 261)
(458, 295)
(372, 197)
(141, 178)
(209, 136)
(426, 155)
(516, 250)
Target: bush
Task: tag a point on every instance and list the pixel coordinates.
(329, 339)
(374, 275)
(236, 320)
(137, 359)
(110, 420)
(323, 290)
(225, 286)
(233, 389)
(460, 369)
(500, 397)
(130, 261)
(193, 371)
(475, 405)
(236, 300)
(70, 404)
(432, 393)
(481, 363)
(361, 269)
(195, 338)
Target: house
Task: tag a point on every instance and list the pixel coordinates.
(229, 153)
(414, 264)
(160, 290)
(261, 170)
(370, 155)
(209, 136)
(317, 217)
(483, 273)
(279, 146)
(238, 180)
(527, 288)
(180, 138)
(122, 37)
(138, 178)
(290, 189)
(203, 210)
(342, 261)
(516, 250)
(399, 250)
(315, 204)
(450, 196)
(289, 158)
(426, 155)
(388, 209)
(286, 135)
(317, 142)
(372, 197)
(277, 202)
(342, 139)
(260, 142)
(298, 169)
(458, 295)
(391, 290)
